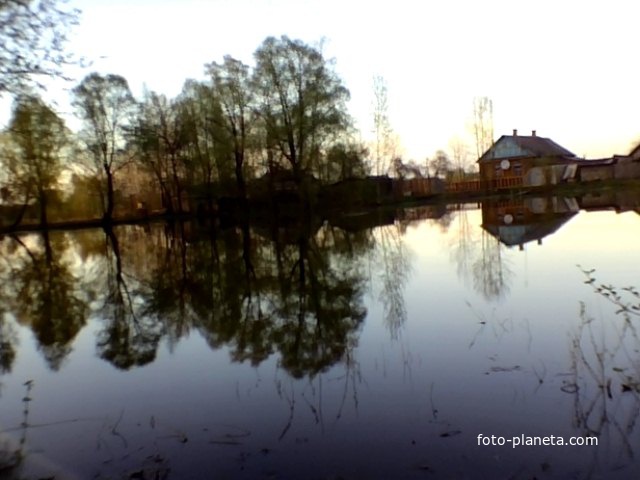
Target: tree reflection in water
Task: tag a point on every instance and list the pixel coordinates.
(40, 291)
(256, 291)
(295, 292)
(294, 295)
(8, 344)
(394, 268)
(479, 254)
(463, 243)
(129, 338)
(491, 273)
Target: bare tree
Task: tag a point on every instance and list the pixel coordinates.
(459, 157)
(386, 141)
(482, 124)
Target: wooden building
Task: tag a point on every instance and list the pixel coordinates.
(628, 166)
(528, 160)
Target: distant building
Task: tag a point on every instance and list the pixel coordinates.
(627, 167)
(597, 170)
(527, 160)
(617, 167)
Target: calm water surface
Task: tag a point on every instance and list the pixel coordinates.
(323, 352)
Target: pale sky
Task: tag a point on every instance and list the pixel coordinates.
(566, 69)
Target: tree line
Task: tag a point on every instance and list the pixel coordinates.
(283, 118)
(286, 115)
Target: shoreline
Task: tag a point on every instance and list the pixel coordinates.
(236, 208)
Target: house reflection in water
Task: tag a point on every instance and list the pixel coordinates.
(520, 221)
(617, 200)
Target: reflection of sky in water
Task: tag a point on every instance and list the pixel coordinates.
(461, 365)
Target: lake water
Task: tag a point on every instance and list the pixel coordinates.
(324, 352)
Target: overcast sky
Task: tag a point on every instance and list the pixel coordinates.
(567, 69)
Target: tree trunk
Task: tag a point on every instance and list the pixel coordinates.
(239, 176)
(108, 214)
(176, 182)
(48, 251)
(42, 200)
(23, 209)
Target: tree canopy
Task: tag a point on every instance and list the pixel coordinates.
(302, 100)
(105, 105)
(33, 156)
(286, 117)
(33, 34)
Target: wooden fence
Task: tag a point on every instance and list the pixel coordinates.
(470, 186)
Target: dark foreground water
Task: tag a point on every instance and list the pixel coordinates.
(316, 351)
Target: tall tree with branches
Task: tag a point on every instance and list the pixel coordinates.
(160, 140)
(482, 124)
(106, 107)
(302, 101)
(385, 147)
(231, 84)
(34, 156)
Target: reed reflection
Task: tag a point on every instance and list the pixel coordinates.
(604, 377)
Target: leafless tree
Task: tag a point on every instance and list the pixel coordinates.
(482, 124)
(385, 142)
(459, 157)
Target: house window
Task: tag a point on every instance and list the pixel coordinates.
(498, 169)
(517, 169)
